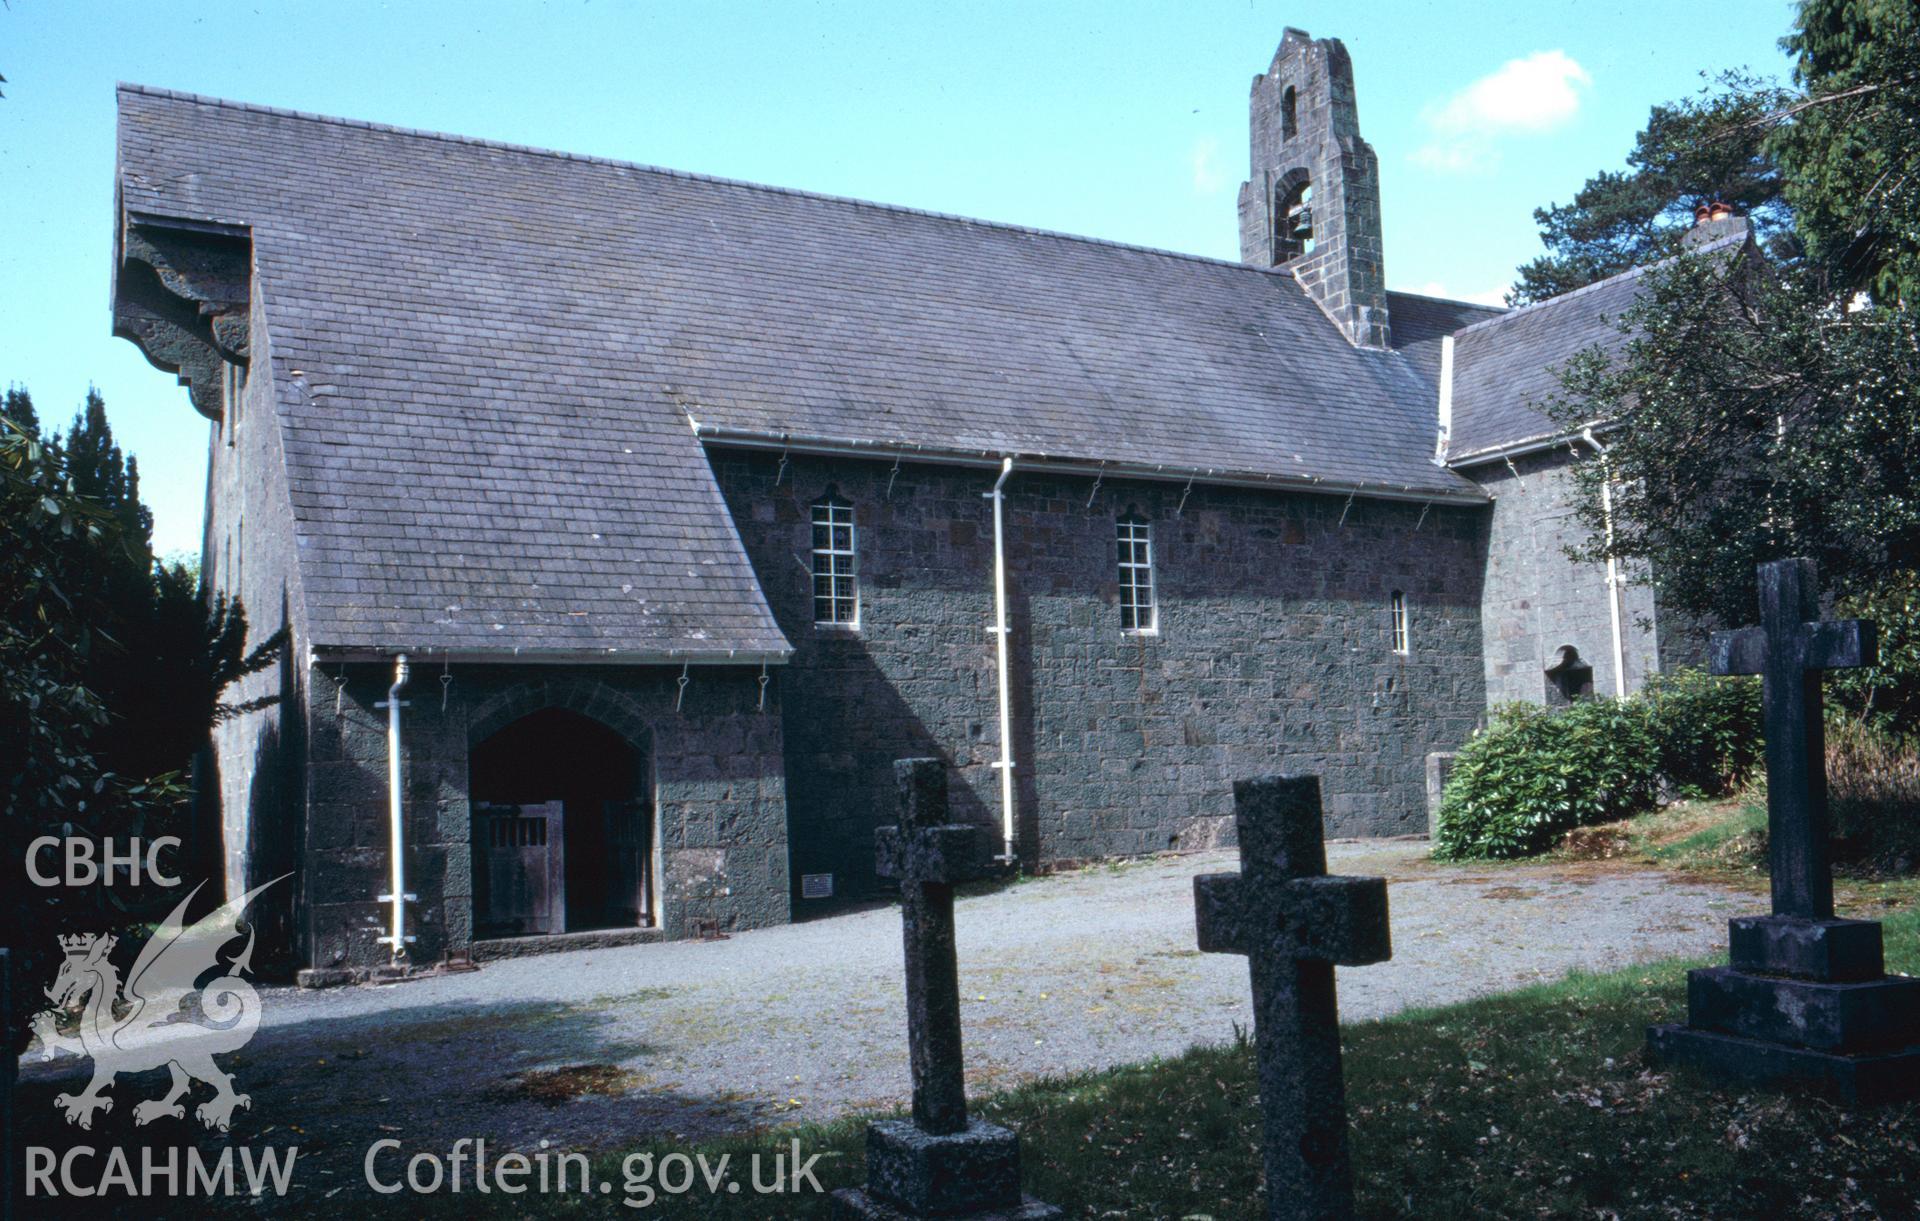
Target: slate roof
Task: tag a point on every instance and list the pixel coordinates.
(1421, 322)
(500, 351)
(1505, 368)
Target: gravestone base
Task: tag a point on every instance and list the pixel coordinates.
(1833, 950)
(1854, 1017)
(1852, 1080)
(972, 1174)
(1806, 1002)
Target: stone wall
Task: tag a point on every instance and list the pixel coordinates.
(1273, 654)
(1537, 600)
(716, 777)
(249, 786)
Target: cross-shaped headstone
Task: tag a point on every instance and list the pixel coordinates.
(1294, 923)
(941, 1164)
(1789, 650)
(1804, 999)
(928, 855)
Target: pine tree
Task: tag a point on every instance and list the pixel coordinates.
(1709, 147)
(19, 409)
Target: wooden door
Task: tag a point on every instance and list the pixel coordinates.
(519, 869)
(630, 872)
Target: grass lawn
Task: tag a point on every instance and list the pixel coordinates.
(1537, 1103)
(1725, 840)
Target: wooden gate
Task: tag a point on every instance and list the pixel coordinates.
(519, 869)
(630, 875)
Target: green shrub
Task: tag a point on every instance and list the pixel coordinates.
(1885, 695)
(1873, 791)
(1532, 775)
(1707, 730)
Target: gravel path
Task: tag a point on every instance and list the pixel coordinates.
(806, 1022)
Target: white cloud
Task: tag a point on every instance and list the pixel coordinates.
(1208, 176)
(1529, 96)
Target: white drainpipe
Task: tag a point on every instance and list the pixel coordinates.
(999, 629)
(1446, 400)
(1613, 566)
(396, 819)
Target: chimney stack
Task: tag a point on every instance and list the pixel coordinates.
(1711, 222)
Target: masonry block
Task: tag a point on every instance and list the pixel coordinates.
(1829, 950)
(1870, 1016)
(1863, 1080)
(964, 1172)
(1439, 767)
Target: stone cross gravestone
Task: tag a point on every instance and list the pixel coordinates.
(1805, 998)
(1295, 923)
(941, 1163)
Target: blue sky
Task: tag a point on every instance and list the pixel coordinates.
(1116, 119)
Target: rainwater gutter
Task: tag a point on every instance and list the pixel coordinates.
(397, 897)
(999, 630)
(1529, 445)
(1613, 565)
(1035, 463)
(332, 654)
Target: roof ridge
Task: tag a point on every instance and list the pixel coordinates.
(1631, 273)
(692, 176)
(1497, 309)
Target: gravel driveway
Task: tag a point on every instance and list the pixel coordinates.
(806, 1022)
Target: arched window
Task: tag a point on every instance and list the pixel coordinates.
(1292, 217)
(1289, 115)
(1138, 611)
(1569, 678)
(836, 590)
(1397, 607)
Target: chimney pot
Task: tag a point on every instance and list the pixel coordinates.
(1712, 222)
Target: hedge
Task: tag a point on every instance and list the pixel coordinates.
(1708, 730)
(1533, 774)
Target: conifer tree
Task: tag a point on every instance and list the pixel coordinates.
(112, 667)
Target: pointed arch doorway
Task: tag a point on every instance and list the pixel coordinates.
(563, 828)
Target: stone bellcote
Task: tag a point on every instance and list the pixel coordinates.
(1312, 203)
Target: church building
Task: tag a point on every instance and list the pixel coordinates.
(628, 524)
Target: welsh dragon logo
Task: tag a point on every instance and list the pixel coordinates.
(146, 1025)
